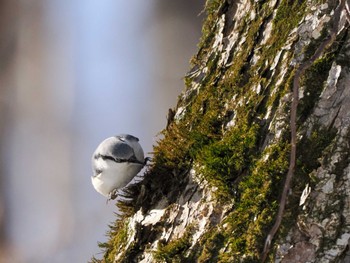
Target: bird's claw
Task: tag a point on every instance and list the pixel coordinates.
(147, 159)
(112, 195)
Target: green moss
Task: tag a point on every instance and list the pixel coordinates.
(232, 159)
(240, 73)
(240, 236)
(175, 250)
(307, 162)
(208, 29)
(257, 204)
(315, 76)
(211, 247)
(319, 139)
(289, 14)
(313, 81)
(225, 160)
(118, 235)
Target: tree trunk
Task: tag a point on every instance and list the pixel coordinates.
(254, 162)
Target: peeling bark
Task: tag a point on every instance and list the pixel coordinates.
(293, 118)
(258, 145)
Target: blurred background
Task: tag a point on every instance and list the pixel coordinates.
(71, 74)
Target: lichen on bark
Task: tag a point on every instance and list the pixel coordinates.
(214, 188)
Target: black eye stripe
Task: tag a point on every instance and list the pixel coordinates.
(106, 157)
(117, 160)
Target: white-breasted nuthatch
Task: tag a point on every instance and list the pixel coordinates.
(115, 162)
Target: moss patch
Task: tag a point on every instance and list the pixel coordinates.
(246, 173)
(118, 235)
(175, 250)
(224, 161)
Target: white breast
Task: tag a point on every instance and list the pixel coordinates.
(114, 176)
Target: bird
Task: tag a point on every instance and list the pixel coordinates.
(115, 162)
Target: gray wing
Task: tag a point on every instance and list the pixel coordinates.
(127, 137)
(116, 149)
(122, 151)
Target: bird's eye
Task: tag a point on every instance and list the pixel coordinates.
(98, 171)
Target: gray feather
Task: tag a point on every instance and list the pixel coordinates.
(129, 137)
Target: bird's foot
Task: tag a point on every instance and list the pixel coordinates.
(112, 195)
(147, 159)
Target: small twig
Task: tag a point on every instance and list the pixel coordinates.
(296, 85)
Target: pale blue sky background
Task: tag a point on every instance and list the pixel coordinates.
(84, 70)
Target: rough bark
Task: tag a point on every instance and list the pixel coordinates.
(260, 132)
